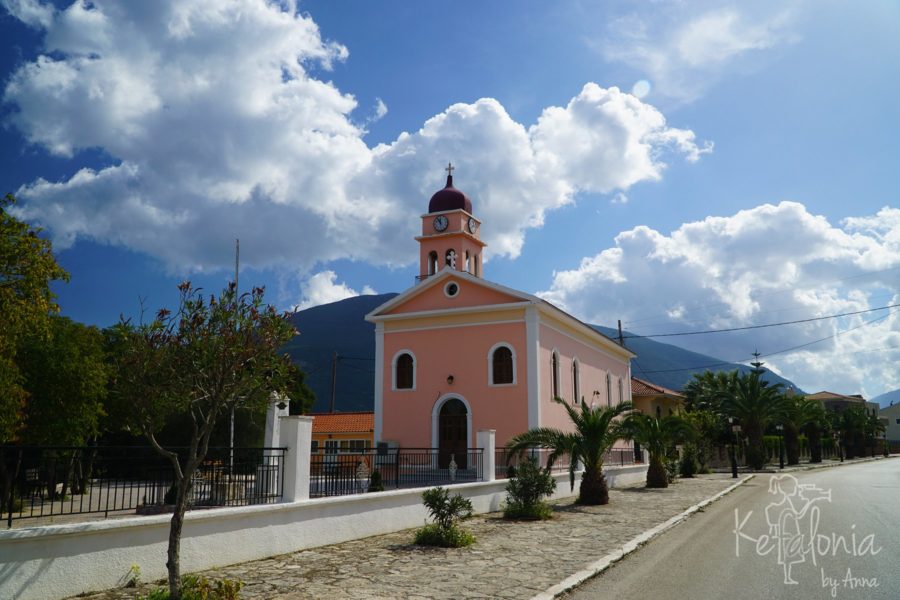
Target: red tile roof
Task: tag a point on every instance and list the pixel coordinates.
(639, 387)
(346, 422)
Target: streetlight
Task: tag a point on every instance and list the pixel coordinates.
(837, 441)
(736, 429)
(780, 429)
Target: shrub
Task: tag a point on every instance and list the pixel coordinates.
(672, 465)
(525, 491)
(688, 466)
(375, 483)
(433, 535)
(446, 510)
(195, 587)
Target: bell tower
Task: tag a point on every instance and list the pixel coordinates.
(451, 235)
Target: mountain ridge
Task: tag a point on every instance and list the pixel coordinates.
(340, 328)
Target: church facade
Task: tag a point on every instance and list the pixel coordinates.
(457, 353)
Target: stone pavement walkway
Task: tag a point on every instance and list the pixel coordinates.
(509, 559)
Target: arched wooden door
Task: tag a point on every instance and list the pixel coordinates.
(453, 434)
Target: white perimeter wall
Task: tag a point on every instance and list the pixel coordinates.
(56, 561)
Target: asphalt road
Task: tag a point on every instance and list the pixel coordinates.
(842, 545)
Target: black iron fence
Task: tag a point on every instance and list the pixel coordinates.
(504, 459)
(44, 481)
(338, 474)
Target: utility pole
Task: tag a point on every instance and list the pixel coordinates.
(334, 360)
(621, 339)
(237, 258)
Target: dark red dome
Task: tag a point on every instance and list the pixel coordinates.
(449, 198)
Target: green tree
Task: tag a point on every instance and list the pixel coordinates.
(754, 403)
(711, 430)
(66, 377)
(658, 437)
(704, 392)
(27, 267)
(799, 415)
(595, 432)
(202, 360)
(816, 426)
(302, 396)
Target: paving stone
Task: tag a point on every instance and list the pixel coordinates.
(511, 559)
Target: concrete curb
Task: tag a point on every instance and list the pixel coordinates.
(613, 557)
(822, 465)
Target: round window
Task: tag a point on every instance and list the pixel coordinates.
(451, 289)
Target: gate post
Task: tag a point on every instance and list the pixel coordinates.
(486, 440)
(296, 434)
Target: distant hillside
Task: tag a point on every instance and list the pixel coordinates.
(887, 398)
(673, 367)
(340, 327)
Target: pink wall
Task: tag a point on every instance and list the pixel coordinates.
(593, 366)
(470, 294)
(462, 352)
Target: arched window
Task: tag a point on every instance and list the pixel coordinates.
(576, 384)
(608, 389)
(404, 371)
(432, 262)
(554, 374)
(621, 393)
(502, 367)
(468, 262)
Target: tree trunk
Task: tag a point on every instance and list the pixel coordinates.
(814, 434)
(593, 487)
(173, 562)
(656, 473)
(792, 445)
(756, 448)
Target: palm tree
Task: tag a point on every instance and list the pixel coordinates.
(754, 403)
(705, 390)
(595, 432)
(874, 428)
(815, 428)
(798, 414)
(658, 436)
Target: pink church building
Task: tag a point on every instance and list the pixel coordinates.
(457, 353)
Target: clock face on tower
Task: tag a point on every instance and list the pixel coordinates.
(440, 223)
(473, 225)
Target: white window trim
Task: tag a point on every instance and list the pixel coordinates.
(458, 289)
(621, 388)
(490, 364)
(394, 371)
(555, 375)
(576, 381)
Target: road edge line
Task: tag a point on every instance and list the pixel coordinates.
(618, 554)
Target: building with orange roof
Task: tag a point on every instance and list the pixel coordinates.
(456, 354)
(343, 432)
(655, 400)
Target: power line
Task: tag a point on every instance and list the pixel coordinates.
(785, 350)
(813, 285)
(749, 327)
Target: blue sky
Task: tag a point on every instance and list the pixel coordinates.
(756, 180)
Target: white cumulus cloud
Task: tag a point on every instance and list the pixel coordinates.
(683, 49)
(219, 125)
(323, 288)
(769, 264)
